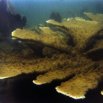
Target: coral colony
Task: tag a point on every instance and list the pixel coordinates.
(64, 51)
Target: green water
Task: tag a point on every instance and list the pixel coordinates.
(38, 11)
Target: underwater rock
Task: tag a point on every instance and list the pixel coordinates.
(9, 20)
(63, 59)
(55, 16)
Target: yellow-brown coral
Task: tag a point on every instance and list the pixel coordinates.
(79, 28)
(68, 43)
(46, 35)
(95, 17)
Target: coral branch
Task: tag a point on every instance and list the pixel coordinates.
(96, 17)
(66, 52)
(79, 85)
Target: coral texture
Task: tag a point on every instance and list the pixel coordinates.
(95, 17)
(69, 52)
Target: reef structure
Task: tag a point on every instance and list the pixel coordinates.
(70, 51)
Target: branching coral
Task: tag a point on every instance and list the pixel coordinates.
(46, 35)
(78, 86)
(95, 17)
(66, 55)
(79, 28)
